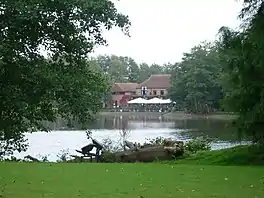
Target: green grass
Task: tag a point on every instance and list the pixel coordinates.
(196, 177)
(239, 155)
(33, 180)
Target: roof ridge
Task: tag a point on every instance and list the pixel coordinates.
(120, 87)
(157, 81)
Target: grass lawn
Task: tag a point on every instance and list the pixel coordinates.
(70, 180)
(239, 155)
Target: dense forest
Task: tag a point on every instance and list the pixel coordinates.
(226, 74)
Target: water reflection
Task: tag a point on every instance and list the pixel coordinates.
(221, 130)
(141, 128)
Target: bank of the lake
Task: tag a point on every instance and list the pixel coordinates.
(154, 180)
(172, 115)
(140, 128)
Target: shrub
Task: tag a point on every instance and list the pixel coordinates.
(156, 141)
(110, 148)
(63, 156)
(108, 156)
(198, 144)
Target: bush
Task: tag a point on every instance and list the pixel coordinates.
(110, 148)
(198, 144)
(63, 156)
(108, 156)
(156, 141)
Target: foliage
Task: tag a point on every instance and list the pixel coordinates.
(34, 88)
(196, 84)
(11, 159)
(159, 141)
(120, 69)
(198, 144)
(108, 157)
(242, 53)
(63, 156)
(44, 158)
(110, 146)
(156, 141)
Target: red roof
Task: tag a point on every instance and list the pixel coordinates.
(124, 87)
(157, 81)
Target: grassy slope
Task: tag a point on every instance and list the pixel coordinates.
(239, 155)
(154, 180)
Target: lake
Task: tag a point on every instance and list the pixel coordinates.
(62, 139)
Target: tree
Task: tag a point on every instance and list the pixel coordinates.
(145, 72)
(196, 84)
(114, 67)
(156, 69)
(242, 52)
(33, 88)
(125, 69)
(168, 68)
(133, 70)
(104, 62)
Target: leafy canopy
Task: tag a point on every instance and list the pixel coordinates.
(196, 85)
(243, 55)
(33, 87)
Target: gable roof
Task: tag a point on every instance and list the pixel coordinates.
(124, 87)
(159, 81)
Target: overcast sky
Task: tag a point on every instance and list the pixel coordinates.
(163, 29)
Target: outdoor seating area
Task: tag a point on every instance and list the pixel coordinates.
(146, 105)
(150, 101)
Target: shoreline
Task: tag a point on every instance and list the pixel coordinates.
(172, 115)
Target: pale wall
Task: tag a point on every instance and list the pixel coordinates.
(138, 92)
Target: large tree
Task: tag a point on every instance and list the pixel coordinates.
(34, 88)
(243, 55)
(196, 83)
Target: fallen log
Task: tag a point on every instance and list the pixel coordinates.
(33, 159)
(150, 154)
(77, 158)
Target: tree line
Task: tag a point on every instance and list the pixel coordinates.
(120, 69)
(227, 74)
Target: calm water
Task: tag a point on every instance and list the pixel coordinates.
(140, 128)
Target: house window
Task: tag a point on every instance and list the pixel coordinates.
(162, 92)
(154, 93)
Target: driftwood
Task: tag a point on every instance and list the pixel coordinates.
(33, 159)
(77, 158)
(146, 153)
(150, 154)
(86, 154)
(130, 145)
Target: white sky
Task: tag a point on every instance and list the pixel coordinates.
(163, 29)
